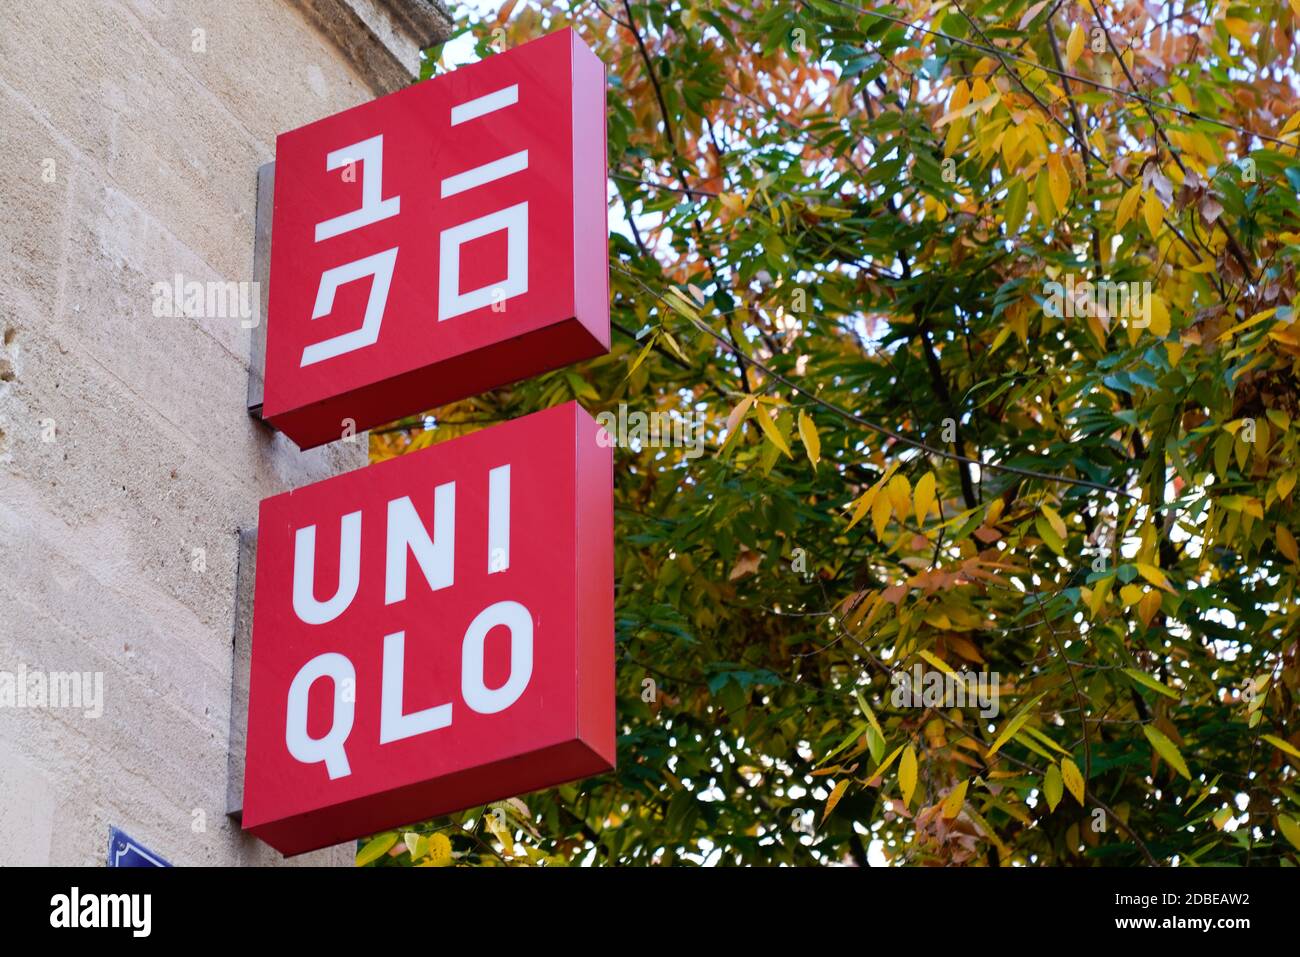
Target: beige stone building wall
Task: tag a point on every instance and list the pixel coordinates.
(130, 136)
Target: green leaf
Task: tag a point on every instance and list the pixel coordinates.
(376, 848)
(875, 744)
(1017, 202)
(868, 713)
(645, 351)
(1048, 534)
(849, 738)
(1166, 749)
(1146, 681)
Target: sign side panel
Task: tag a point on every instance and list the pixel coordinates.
(595, 587)
(590, 194)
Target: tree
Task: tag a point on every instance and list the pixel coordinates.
(985, 312)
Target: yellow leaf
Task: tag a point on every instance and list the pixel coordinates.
(1167, 750)
(738, 414)
(864, 505)
(834, 799)
(830, 212)
(964, 648)
(495, 822)
(645, 351)
(439, 850)
(907, 774)
(1286, 481)
(960, 96)
(1100, 592)
(1048, 533)
(808, 434)
(1155, 576)
(1073, 778)
(1148, 606)
(1153, 213)
(1074, 45)
(1240, 29)
(1254, 320)
(1009, 731)
(679, 303)
(1058, 180)
(885, 764)
(1289, 828)
(880, 510)
(900, 495)
(924, 496)
(985, 103)
(1159, 323)
(1129, 203)
(773, 433)
(733, 203)
(1037, 735)
(1286, 543)
(935, 208)
(955, 799)
(1052, 788)
(672, 344)
(1012, 146)
(937, 661)
(1281, 745)
(956, 131)
(1057, 523)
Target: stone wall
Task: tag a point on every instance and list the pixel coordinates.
(130, 136)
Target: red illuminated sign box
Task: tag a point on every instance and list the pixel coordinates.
(432, 633)
(439, 242)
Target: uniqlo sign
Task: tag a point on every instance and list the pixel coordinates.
(432, 633)
(438, 242)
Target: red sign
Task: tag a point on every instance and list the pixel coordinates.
(432, 633)
(439, 242)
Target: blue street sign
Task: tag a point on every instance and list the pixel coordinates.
(125, 851)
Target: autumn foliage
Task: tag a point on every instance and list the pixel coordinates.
(877, 251)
